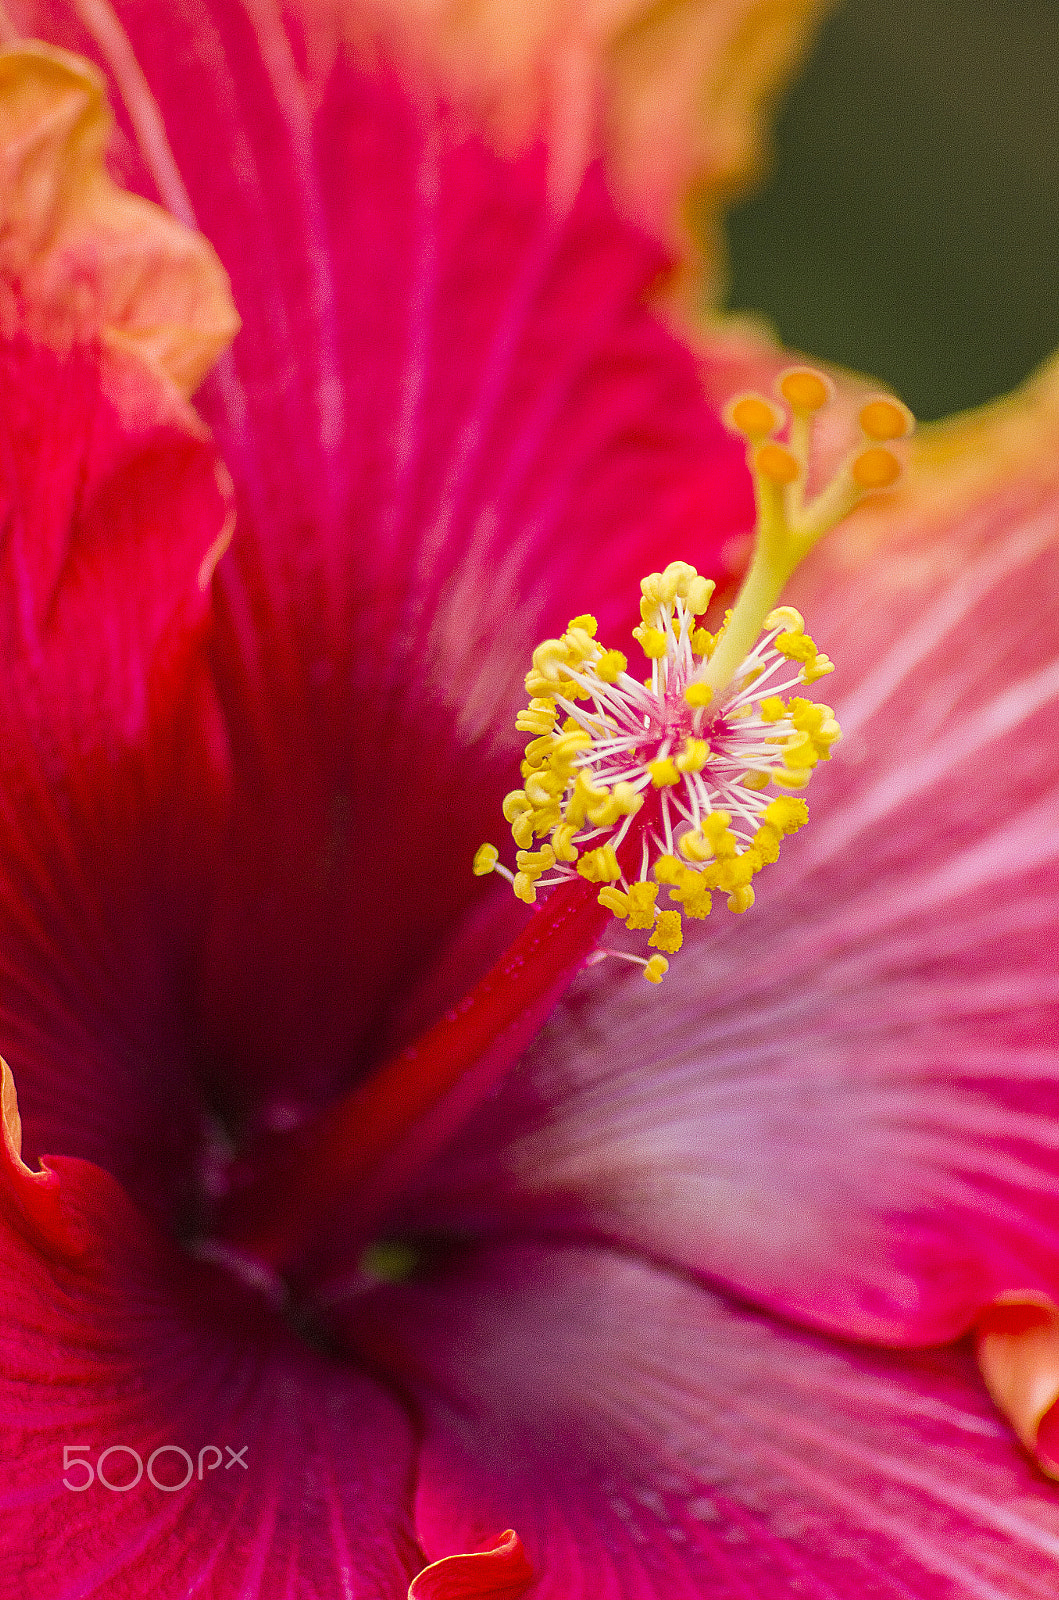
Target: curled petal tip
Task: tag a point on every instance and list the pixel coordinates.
(28, 1199)
(90, 259)
(501, 1572)
(1017, 1339)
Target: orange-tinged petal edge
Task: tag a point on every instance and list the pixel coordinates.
(1018, 1353)
(29, 1201)
(673, 93)
(501, 1572)
(81, 257)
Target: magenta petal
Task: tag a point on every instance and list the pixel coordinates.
(453, 423)
(843, 1103)
(127, 1347)
(651, 1441)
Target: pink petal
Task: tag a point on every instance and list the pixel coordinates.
(111, 511)
(842, 1104)
(448, 403)
(121, 1344)
(652, 1441)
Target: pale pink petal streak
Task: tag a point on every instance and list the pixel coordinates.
(650, 1440)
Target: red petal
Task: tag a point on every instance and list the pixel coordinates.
(110, 507)
(653, 1442)
(453, 423)
(128, 1347)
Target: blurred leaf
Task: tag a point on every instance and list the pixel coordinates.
(910, 228)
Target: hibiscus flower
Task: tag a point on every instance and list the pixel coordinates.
(671, 1296)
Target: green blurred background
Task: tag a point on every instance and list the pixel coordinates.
(910, 224)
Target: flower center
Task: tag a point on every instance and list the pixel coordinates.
(709, 762)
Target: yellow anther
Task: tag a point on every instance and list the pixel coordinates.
(539, 683)
(716, 824)
(610, 666)
(613, 900)
(694, 847)
(801, 752)
(549, 654)
(652, 642)
(753, 415)
(795, 646)
(544, 786)
(568, 745)
(772, 708)
(819, 667)
(805, 389)
(703, 642)
(664, 774)
(767, 844)
(581, 646)
(538, 749)
(756, 780)
(586, 787)
(818, 724)
(525, 888)
(667, 869)
(735, 872)
(676, 580)
(698, 694)
(627, 799)
(562, 842)
(605, 813)
(786, 813)
(485, 859)
(655, 969)
(876, 469)
(642, 912)
(792, 778)
(741, 899)
(586, 793)
(724, 844)
(523, 829)
(885, 418)
(534, 862)
(668, 934)
(694, 895)
(600, 866)
(585, 624)
(537, 717)
(786, 617)
(515, 805)
(694, 756)
(776, 463)
(700, 592)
